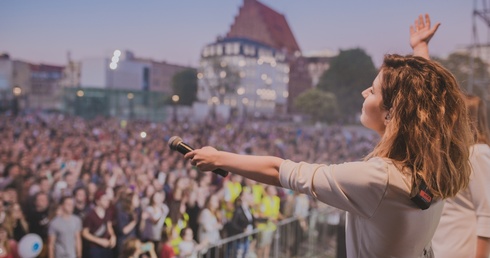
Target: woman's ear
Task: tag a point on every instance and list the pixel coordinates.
(388, 116)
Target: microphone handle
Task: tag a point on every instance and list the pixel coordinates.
(221, 172)
(184, 149)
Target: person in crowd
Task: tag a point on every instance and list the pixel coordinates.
(242, 221)
(38, 219)
(134, 248)
(177, 204)
(128, 217)
(64, 232)
(154, 218)
(10, 175)
(8, 246)
(270, 215)
(192, 209)
(204, 188)
(464, 229)
(82, 206)
(15, 222)
(466, 216)
(188, 247)
(97, 228)
(3, 213)
(232, 189)
(417, 108)
(300, 225)
(210, 223)
(147, 194)
(166, 250)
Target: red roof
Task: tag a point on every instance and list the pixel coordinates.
(259, 22)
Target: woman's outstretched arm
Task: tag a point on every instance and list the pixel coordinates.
(264, 169)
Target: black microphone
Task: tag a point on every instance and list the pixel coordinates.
(175, 143)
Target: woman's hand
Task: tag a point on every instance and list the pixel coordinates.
(421, 32)
(205, 159)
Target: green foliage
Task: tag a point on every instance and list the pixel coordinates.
(460, 66)
(184, 84)
(320, 105)
(349, 74)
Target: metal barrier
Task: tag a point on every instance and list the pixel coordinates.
(311, 236)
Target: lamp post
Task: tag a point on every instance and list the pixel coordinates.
(16, 91)
(78, 102)
(214, 102)
(245, 104)
(131, 109)
(113, 66)
(175, 100)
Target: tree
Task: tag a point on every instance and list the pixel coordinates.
(350, 73)
(319, 104)
(184, 84)
(459, 65)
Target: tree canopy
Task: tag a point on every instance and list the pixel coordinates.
(320, 105)
(349, 74)
(184, 84)
(459, 65)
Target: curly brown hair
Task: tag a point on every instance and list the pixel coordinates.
(429, 133)
(477, 113)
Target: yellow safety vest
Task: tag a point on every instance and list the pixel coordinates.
(175, 244)
(234, 188)
(258, 192)
(271, 206)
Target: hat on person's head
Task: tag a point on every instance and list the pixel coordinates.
(98, 194)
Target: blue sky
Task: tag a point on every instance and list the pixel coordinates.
(175, 31)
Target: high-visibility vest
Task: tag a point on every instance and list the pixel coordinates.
(175, 244)
(271, 206)
(234, 189)
(258, 192)
(181, 224)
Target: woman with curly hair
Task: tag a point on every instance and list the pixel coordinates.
(394, 197)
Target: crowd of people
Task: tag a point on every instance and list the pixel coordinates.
(113, 188)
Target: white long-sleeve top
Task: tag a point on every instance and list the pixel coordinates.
(467, 215)
(381, 221)
(209, 227)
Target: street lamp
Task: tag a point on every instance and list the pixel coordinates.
(17, 91)
(175, 100)
(245, 104)
(130, 99)
(113, 66)
(78, 102)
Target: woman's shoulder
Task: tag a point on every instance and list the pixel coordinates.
(480, 148)
(376, 165)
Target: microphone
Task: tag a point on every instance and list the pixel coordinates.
(175, 143)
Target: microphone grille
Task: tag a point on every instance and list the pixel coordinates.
(174, 141)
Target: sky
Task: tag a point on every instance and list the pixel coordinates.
(176, 31)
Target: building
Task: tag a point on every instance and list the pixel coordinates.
(121, 71)
(161, 75)
(245, 75)
(124, 71)
(318, 63)
(46, 91)
(37, 86)
(257, 67)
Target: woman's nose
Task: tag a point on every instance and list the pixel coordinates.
(365, 92)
